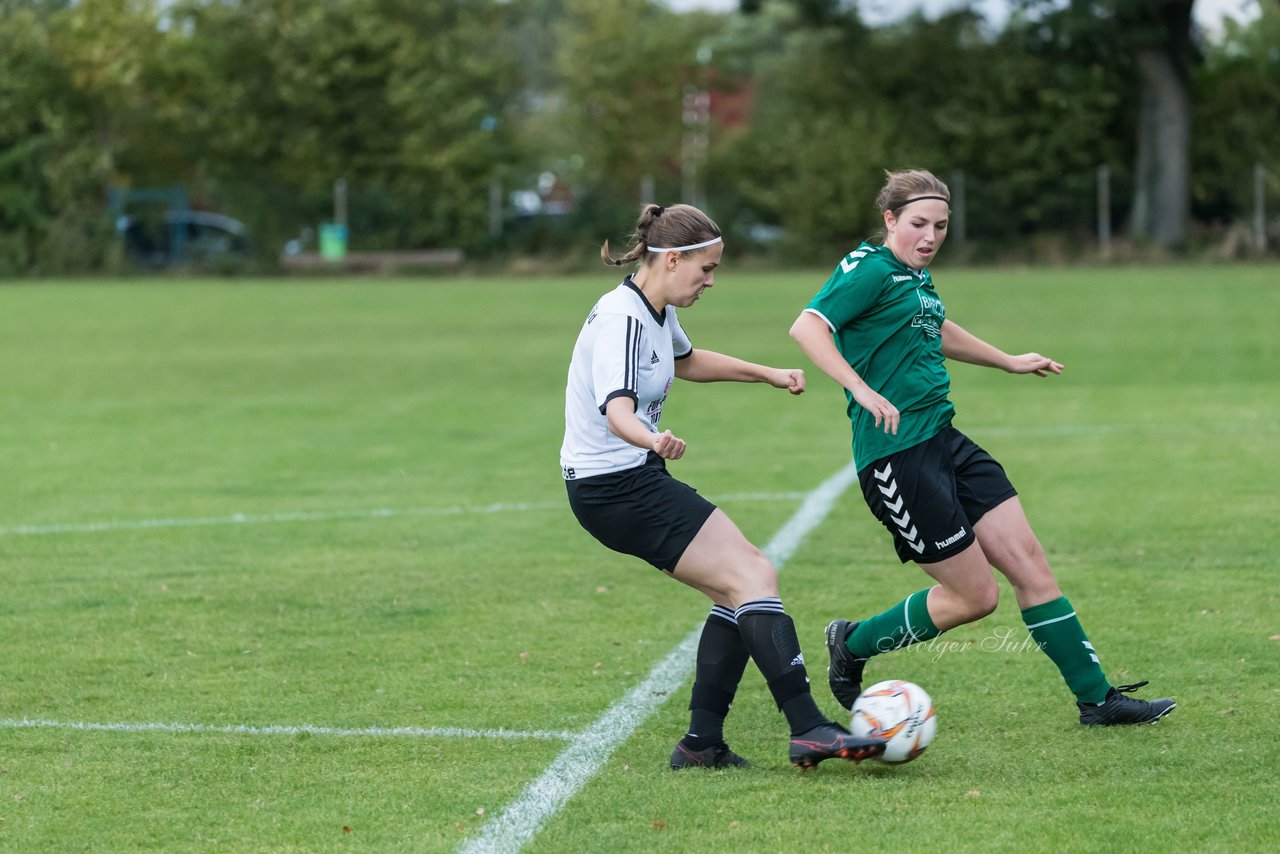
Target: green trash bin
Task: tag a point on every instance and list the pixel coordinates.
(333, 241)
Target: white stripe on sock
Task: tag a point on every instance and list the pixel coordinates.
(906, 622)
(1054, 620)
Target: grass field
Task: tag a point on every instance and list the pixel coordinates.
(287, 566)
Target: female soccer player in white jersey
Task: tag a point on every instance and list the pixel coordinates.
(880, 330)
(630, 350)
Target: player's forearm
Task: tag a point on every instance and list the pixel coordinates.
(706, 366)
(621, 416)
(963, 346)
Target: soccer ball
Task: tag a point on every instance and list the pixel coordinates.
(900, 712)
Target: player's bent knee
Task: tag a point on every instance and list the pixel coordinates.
(752, 579)
(1023, 556)
(759, 586)
(982, 603)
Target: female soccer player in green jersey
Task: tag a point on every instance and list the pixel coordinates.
(880, 330)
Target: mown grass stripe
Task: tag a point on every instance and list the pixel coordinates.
(327, 516)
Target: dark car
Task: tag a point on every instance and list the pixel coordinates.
(183, 237)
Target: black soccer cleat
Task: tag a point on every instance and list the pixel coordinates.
(830, 740)
(1119, 709)
(844, 673)
(715, 756)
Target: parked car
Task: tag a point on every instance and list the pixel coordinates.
(182, 237)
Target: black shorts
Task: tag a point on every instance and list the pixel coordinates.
(642, 511)
(931, 495)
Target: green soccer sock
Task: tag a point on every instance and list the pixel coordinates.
(906, 623)
(1055, 628)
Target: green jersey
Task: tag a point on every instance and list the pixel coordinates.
(886, 319)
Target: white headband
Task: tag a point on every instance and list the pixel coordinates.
(711, 242)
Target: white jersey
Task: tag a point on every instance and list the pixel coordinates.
(625, 349)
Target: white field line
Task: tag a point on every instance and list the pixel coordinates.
(587, 753)
(245, 519)
(326, 516)
(281, 729)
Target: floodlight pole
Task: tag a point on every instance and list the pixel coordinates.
(1259, 207)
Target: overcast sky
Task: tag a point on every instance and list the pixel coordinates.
(1208, 13)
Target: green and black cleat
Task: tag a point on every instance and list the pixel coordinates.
(1118, 709)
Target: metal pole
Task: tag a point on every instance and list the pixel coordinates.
(647, 191)
(693, 143)
(958, 225)
(688, 168)
(495, 208)
(340, 201)
(1259, 207)
(1104, 211)
(696, 117)
(703, 140)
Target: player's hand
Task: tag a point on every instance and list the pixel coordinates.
(1033, 363)
(668, 446)
(792, 379)
(882, 410)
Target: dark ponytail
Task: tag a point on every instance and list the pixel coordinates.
(678, 225)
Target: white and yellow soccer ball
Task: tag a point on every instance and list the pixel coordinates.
(900, 712)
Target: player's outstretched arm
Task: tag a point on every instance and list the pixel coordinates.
(706, 366)
(963, 346)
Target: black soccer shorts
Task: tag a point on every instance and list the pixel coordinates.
(930, 496)
(642, 511)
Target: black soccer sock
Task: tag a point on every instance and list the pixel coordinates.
(770, 638)
(722, 658)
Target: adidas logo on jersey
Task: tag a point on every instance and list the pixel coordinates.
(653, 360)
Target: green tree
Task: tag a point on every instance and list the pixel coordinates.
(1237, 118)
(69, 94)
(458, 101)
(406, 101)
(1151, 43)
(839, 103)
(622, 67)
(811, 161)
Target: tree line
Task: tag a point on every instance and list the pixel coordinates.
(779, 117)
